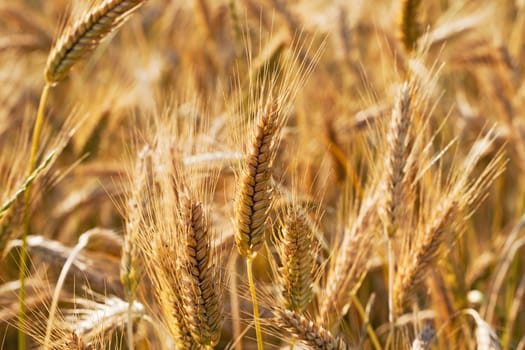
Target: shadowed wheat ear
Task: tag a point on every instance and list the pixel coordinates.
(409, 30)
(82, 37)
(202, 304)
(307, 332)
(297, 253)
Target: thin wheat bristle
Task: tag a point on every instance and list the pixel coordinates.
(85, 34)
(297, 253)
(409, 26)
(254, 196)
(199, 279)
(308, 333)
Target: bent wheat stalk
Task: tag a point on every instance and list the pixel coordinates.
(74, 44)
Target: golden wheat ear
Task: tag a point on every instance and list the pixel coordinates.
(254, 196)
(297, 252)
(307, 332)
(82, 37)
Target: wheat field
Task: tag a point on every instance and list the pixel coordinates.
(262, 174)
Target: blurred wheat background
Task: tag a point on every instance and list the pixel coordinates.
(270, 174)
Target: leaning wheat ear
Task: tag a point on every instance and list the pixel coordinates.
(82, 37)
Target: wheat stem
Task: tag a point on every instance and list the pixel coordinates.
(249, 270)
(23, 252)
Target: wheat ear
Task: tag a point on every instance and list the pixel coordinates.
(254, 197)
(201, 299)
(408, 25)
(297, 252)
(79, 39)
(398, 140)
(307, 332)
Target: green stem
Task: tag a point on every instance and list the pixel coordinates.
(27, 199)
(255, 305)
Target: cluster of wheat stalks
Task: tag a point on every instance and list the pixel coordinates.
(262, 174)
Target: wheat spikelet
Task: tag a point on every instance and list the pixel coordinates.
(398, 139)
(307, 332)
(297, 251)
(85, 34)
(199, 279)
(254, 195)
(409, 27)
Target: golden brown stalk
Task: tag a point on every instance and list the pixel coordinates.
(307, 332)
(202, 304)
(79, 39)
(254, 195)
(409, 30)
(297, 252)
